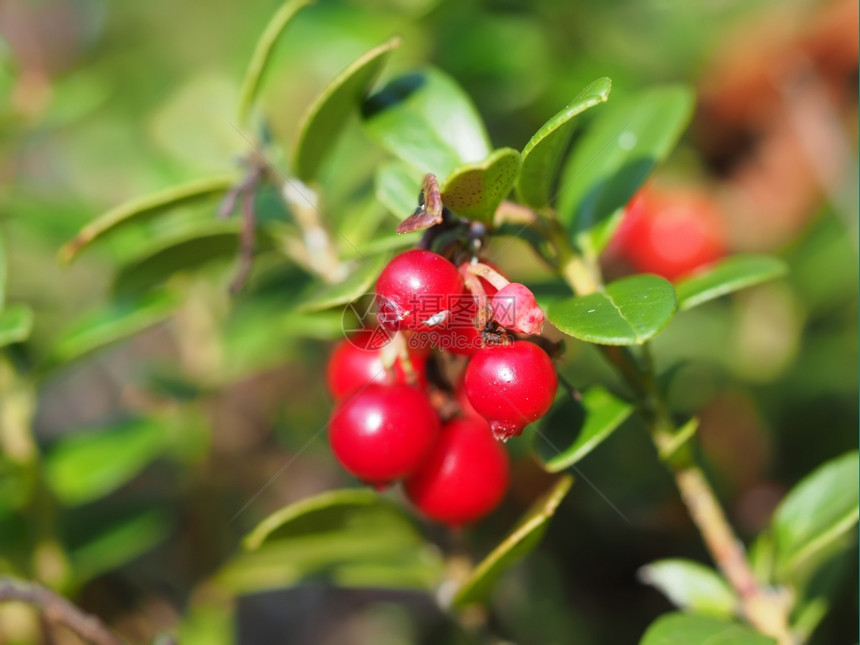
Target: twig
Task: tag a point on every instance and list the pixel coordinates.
(58, 610)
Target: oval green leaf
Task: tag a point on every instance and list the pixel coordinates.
(358, 282)
(117, 321)
(184, 251)
(475, 190)
(353, 537)
(89, 465)
(325, 119)
(519, 543)
(690, 585)
(16, 323)
(574, 428)
(691, 629)
(262, 54)
(397, 187)
(140, 209)
(730, 275)
(629, 312)
(627, 139)
(814, 516)
(543, 152)
(426, 120)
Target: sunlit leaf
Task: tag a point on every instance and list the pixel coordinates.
(692, 629)
(690, 585)
(425, 119)
(475, 190)
(629, 312)
(542, 153)
(518, 543)
(88, 465)
(16, 323)
(815, 515)
(615, 156)
(732, 274)
(397, 187)
(140, 209)
(574, 428)
(325, 119)
(263, 52)
(359, 282)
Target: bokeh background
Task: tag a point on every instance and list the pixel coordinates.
(207, 396)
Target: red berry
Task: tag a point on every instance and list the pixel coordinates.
(670, 234)
(515, 307)
(463, 477)
(415, 286)
(511, 386)
(382, 432)
(351, 366)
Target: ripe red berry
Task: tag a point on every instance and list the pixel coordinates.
(415, 286)
(382, 432)
(670, 234)
(351, 366)
(511, 386)
(464, 475)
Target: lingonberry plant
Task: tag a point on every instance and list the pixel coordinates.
(451, 329)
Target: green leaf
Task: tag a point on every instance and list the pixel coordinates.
(814, 516)
(475, 190)
(359, 282)
(397, 187)
(143, 208)
(627, 139)
(262, 54)
(116, 321)
(518, 543)
(85, 466)
(183, 251)
(732, 274)
(325, 119)
(690, 585)
(118, 543)
(426, 120)
(543, 152)
(690, 629)
(16, 323)
(354, 536)
(573, 429)
(629, 312)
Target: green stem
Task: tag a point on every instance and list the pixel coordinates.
(767, 610)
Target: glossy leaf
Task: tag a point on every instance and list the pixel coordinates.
(543, 152)
(573, 429)
(815, 515)
(352, 536)
(475, 190)
(184, 251)
(518, 543)
(119, 542)
(140, 209)
(691, 629)
(690, 585)
(612, 160)
(263, 52)
(326, 117)
(426, 120)
(16, 323)
(397, 187)
(732, 274)
(629, 312)
(359, 282)
(117, 321)
(85, 466)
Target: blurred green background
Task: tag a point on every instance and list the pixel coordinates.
(204, 397)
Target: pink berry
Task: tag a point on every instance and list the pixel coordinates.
(514, 306)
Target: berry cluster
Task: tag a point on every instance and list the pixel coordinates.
(397, 415)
